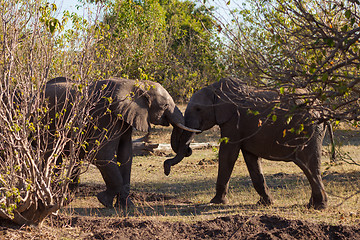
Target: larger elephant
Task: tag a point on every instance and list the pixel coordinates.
(129, 104)
(260, 124)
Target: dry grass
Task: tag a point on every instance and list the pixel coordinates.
(185, 194)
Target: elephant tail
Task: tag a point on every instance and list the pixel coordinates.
(332, 141)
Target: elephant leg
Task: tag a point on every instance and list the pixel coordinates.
(228, 154)
(253, 164)
(75, 178)
(318, 198)
(124, 158)
(106, 163)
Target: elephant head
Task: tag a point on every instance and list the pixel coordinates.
(141, 103)
(204, 110)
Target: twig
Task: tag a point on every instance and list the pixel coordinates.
(244, 223)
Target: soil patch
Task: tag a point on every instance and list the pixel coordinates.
(229, 227)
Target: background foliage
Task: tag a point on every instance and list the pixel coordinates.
(169, 41)
(300, 44)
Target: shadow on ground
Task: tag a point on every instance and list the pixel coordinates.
(165, 204)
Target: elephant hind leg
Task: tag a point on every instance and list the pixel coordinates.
(253, 164)
(318, 198)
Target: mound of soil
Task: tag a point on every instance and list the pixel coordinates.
(229, 227)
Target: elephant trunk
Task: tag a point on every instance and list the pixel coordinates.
(180, 138)
(183, 150)
(176, 119)
(175, 137)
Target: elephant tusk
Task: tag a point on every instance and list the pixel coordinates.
(179, 125)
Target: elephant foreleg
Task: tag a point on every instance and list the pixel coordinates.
(253, 164)
(106, 163)
(228, 154)
(124, 158)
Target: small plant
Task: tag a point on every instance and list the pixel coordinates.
(34, 173)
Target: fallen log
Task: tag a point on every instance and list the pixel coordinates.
(142, 146)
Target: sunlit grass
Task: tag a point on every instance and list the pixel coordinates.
(185, 194)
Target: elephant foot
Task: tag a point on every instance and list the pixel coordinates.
(105, 199)
(319, 204)
(125, 203)
(265, 202)
(219, 200)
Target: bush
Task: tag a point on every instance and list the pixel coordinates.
(172, 42)
(33, 181)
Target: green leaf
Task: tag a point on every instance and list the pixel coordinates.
(282, 90)
(348, 14)
(52, 24)
(344, 28)
(288, 120)
(330, 42)
(274, 118)
(224, 139)
(301, 128)
(325, 77)
(352, 21)
(312, 68)
(249, 111)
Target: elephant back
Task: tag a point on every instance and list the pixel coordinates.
(58, 80)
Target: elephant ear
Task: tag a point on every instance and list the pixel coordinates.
(224, 108)
(133, 108)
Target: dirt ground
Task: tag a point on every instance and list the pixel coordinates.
(233, 226)
(266, 226)
(228, 227)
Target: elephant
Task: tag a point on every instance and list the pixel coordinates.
(260, 123)
(129, 104)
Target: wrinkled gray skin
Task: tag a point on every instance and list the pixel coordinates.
(226, 104)
(149, 105)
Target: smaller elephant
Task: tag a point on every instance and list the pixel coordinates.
(117, 105)
(261, 124)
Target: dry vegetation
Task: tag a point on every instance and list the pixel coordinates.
(36, 46)
(178, 205)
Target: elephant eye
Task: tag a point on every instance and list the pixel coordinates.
(163, 106)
